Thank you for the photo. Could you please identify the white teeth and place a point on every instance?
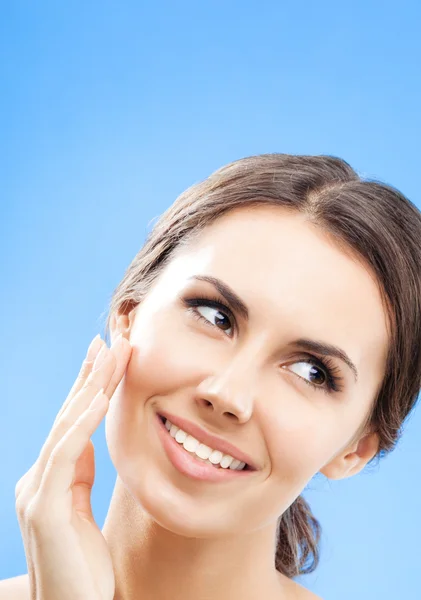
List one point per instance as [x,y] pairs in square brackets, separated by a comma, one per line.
[203,451]
[214,457]
[191,444]
[180,436]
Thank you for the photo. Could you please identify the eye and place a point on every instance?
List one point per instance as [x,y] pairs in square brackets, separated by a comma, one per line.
[210,312]
[222,319]
[310,370]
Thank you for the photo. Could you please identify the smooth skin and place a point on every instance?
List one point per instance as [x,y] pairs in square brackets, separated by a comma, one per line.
[67,555]
[245,381]
[242,380]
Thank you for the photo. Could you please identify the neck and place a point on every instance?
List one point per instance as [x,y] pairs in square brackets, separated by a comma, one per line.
[152,562]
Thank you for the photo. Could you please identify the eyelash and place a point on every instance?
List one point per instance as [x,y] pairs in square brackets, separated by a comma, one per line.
[333,383]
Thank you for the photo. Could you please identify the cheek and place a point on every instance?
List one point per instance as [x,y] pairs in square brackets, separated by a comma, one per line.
[158,370]
[162,360]
[299,444]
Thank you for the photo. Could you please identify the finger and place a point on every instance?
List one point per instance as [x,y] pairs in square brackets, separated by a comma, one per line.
[102,374]
[98,378]
[85,370]
[123,355]
[105,375]
[83,481]
[55,488]
[23,481]
[92,352]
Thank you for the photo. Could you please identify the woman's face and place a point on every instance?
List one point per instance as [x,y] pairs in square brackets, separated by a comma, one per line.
[247,380]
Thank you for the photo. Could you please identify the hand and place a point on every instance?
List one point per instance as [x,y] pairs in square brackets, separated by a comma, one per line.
[66,553]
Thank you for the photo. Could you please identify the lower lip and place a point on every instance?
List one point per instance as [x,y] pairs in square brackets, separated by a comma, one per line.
[186,463]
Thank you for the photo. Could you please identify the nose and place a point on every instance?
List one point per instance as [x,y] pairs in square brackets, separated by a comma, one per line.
[230,394]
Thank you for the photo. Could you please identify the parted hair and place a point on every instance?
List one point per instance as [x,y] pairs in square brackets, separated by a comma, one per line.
[372,220]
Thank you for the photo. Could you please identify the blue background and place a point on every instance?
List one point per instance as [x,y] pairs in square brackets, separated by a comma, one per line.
[108,110]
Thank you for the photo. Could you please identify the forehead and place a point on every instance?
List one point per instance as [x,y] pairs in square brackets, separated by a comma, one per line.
[294,277]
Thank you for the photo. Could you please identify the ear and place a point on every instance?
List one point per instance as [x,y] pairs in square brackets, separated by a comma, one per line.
[353,458]
[121,323]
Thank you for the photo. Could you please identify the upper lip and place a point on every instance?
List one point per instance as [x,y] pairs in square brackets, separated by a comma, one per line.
[208,439]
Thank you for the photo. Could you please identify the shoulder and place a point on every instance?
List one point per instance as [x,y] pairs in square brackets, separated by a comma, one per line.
[310,596]
[296,591]
[305,594]
[15,588]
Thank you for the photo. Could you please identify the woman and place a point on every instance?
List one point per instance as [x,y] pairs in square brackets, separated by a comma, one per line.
[271,323]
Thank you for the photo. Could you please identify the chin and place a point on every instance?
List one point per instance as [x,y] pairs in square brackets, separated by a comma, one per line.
[175,509]
[175,502]
[183,507]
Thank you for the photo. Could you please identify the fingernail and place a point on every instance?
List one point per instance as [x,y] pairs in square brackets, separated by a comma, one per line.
[94,347]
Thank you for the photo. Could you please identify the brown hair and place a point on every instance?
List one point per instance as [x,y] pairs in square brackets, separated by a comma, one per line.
[372,220]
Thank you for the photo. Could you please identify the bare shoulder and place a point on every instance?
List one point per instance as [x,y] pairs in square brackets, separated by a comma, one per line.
[15,588]
[303,593]
[310,596]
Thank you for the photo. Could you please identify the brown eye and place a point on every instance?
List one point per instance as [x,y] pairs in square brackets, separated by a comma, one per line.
[313,372]
[324,375]
[221,321]
[223,318]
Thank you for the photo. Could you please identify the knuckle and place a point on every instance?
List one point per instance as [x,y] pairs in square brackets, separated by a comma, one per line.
[62,452]
[64,423]
[85,369]
[56,458]
[36,516]
[24,481]
[79,425]
[41,515]
[20,506]
[18,487]
[91,384]
[84,373]
[27,510]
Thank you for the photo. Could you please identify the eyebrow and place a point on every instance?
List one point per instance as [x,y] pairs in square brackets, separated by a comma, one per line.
[317,346]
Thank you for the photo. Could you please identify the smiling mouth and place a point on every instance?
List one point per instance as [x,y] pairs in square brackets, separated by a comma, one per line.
[246,467]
